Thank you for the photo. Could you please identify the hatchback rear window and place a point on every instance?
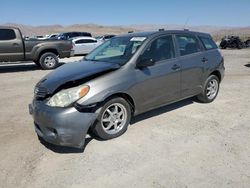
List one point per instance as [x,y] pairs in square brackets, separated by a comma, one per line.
[208,43]
[7,34]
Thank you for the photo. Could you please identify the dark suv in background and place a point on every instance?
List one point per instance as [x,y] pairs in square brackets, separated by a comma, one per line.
[125,76]
[69,35]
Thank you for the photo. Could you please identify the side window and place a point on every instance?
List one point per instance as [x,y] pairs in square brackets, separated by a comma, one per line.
[89,41]
[79,41]
[187,44]
[7,34]
[67,36]
[208,43]
[84,41]
[87,35]
[160,49]
[108,37]
[93,41]
[71,35]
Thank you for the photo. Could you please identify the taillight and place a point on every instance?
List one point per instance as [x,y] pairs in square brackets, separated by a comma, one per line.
[72,45]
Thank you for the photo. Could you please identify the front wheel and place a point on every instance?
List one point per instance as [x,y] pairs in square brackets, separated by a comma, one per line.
[48,61]
[113,119]
[210,90]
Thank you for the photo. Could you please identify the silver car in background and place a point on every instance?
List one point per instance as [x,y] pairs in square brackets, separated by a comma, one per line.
[125,76]
[84,45]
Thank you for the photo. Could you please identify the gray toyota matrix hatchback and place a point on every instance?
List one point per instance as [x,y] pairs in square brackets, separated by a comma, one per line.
[125,76]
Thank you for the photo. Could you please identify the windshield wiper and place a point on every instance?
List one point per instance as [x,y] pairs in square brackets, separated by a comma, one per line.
[88,59]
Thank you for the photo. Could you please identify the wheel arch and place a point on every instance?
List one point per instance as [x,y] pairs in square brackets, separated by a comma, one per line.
[52,50]
[125,96]
[216,73]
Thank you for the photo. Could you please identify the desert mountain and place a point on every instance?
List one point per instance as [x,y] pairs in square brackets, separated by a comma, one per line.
[216,31]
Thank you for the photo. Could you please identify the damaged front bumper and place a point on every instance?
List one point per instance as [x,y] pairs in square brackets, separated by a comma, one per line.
[61,126]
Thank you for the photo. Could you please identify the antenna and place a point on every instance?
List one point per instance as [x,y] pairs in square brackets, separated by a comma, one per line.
[187,20]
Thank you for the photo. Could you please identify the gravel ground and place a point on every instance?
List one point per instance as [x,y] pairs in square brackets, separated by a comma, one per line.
[187,144]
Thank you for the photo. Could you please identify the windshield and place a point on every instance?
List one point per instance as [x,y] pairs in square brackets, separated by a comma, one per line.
[117,50]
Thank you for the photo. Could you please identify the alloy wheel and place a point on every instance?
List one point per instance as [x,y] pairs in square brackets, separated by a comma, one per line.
[114,118]
[50,61]
[212,89]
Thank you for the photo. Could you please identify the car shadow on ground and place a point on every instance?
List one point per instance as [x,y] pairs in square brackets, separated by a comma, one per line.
[64,149]
[146,115]
[162,110]
[247,65]
[9,68]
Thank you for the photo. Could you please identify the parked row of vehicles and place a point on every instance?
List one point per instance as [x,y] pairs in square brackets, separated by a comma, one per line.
[69,35]
[45,51]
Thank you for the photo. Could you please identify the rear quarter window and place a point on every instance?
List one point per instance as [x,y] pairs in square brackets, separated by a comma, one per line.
[7,34]
[208,43]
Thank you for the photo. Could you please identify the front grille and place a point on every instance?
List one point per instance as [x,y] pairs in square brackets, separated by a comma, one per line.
[40,92]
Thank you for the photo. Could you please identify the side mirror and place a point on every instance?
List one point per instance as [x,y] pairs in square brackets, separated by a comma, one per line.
[144,62]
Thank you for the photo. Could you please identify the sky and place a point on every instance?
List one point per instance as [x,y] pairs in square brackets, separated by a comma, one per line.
[126,12]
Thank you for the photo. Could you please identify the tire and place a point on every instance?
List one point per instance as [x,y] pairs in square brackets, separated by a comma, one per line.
[240,46]
[108,119]
[213,83]
[48,61]
[223,46]
[234,46]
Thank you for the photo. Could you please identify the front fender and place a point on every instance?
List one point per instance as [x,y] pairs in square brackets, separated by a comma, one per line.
[101,97]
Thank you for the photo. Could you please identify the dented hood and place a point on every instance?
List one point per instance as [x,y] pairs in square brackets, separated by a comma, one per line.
[73,72]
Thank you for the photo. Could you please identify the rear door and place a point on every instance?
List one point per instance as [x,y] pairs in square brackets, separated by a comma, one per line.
[11,47]
[211,55]
[84,46]
[191,62]
[88,45]
[78,46]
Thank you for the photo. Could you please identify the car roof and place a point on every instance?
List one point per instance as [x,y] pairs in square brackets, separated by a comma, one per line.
[78,38]
[75,32]
[155,33]
[108,35]
[8,27]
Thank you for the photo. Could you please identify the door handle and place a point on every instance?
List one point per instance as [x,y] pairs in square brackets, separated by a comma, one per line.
[15,44]
[176,67]
[204,60]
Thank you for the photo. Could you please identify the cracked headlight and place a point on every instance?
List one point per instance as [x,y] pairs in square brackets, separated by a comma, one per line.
[68,96]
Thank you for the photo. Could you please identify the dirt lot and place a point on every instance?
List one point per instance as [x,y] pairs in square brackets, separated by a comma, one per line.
[187,144]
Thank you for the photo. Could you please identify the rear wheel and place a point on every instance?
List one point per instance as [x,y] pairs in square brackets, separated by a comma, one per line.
[113,119]
[48,61]
[210,90]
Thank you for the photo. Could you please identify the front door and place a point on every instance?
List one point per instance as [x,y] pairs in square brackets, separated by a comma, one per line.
[158,84]
[11,48]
